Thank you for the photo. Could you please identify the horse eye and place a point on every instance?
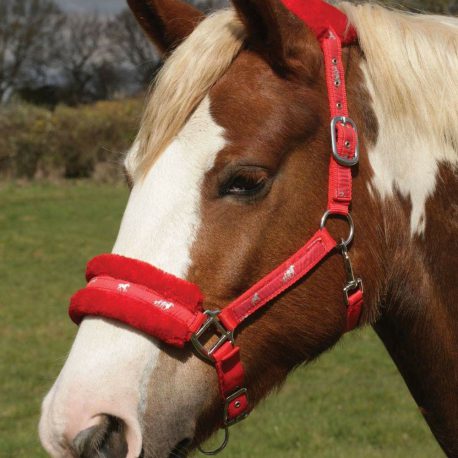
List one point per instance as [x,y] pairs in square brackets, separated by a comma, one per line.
[245,184]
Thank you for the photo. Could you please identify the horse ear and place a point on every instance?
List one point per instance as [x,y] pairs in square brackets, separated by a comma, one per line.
[277,34]
[166,22]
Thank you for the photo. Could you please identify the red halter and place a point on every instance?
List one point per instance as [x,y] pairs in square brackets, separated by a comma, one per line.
[170,309]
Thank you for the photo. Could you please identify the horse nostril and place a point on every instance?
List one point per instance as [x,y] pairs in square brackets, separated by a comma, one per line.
[105,440]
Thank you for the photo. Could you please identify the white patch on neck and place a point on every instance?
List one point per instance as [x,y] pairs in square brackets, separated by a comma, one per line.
[405,159]
[109,366]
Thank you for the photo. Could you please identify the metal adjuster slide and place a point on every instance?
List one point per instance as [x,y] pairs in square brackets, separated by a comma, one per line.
[345,161]
[223,334]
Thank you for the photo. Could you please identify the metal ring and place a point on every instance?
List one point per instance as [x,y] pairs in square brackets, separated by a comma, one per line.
[349,219]
[220,448]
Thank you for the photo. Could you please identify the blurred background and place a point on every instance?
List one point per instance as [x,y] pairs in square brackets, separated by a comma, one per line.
[73,79]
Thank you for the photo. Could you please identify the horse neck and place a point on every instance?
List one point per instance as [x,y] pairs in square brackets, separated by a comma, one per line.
[405,250]
[415,301]
[421,335]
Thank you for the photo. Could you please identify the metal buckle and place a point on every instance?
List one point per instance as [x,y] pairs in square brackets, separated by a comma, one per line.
[345,161]
[352,282]
[221,331]
[229,399]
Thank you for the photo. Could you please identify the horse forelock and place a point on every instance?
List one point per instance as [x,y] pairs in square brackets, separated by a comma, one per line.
[183,82]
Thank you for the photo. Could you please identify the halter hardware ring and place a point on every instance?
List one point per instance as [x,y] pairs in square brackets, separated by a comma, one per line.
[221,331]
[328,214]
[345,161]
[220,448]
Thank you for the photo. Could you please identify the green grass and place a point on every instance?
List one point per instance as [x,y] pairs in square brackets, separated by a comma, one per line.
[350,403]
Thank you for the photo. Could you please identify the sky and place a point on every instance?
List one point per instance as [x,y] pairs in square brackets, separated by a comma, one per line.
[102,6]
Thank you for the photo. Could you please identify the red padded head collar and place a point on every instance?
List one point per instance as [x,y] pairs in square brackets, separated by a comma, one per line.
[169,308]
[132,270]
[320,16]
[141,296]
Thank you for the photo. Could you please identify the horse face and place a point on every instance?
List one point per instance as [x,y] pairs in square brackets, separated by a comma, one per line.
[239,189]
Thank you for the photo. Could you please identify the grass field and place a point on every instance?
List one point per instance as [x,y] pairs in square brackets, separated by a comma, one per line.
[351,403]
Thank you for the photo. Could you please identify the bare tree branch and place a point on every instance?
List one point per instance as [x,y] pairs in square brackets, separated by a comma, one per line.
[82,49]
[25,26]
[129,44]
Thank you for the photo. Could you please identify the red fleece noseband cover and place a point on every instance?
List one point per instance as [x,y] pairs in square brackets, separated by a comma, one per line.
[142,296]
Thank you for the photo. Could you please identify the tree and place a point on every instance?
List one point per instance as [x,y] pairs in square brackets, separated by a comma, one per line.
[130,45]
[81,53]
[26,29]
[210,5]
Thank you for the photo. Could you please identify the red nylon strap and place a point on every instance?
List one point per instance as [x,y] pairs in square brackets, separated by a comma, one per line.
[231,379]
[340,178]
[320,16]
[285,275]
[354,309]
[227,359]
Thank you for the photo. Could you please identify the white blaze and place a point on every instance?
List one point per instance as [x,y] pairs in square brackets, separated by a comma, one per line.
[109,364]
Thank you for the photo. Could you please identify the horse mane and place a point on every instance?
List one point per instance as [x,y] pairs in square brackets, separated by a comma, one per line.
[412,63]
[411,67]
[186,77]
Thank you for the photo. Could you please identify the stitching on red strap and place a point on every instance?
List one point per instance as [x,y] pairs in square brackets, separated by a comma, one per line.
[144,295]
[280,279]
[340,179]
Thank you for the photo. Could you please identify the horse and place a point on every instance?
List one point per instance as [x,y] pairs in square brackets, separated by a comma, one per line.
[228,177]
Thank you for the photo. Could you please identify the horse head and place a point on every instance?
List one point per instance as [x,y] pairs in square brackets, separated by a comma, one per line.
[229,178]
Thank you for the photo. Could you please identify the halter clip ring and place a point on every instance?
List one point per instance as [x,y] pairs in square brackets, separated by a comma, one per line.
[328,214]
[219,448]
